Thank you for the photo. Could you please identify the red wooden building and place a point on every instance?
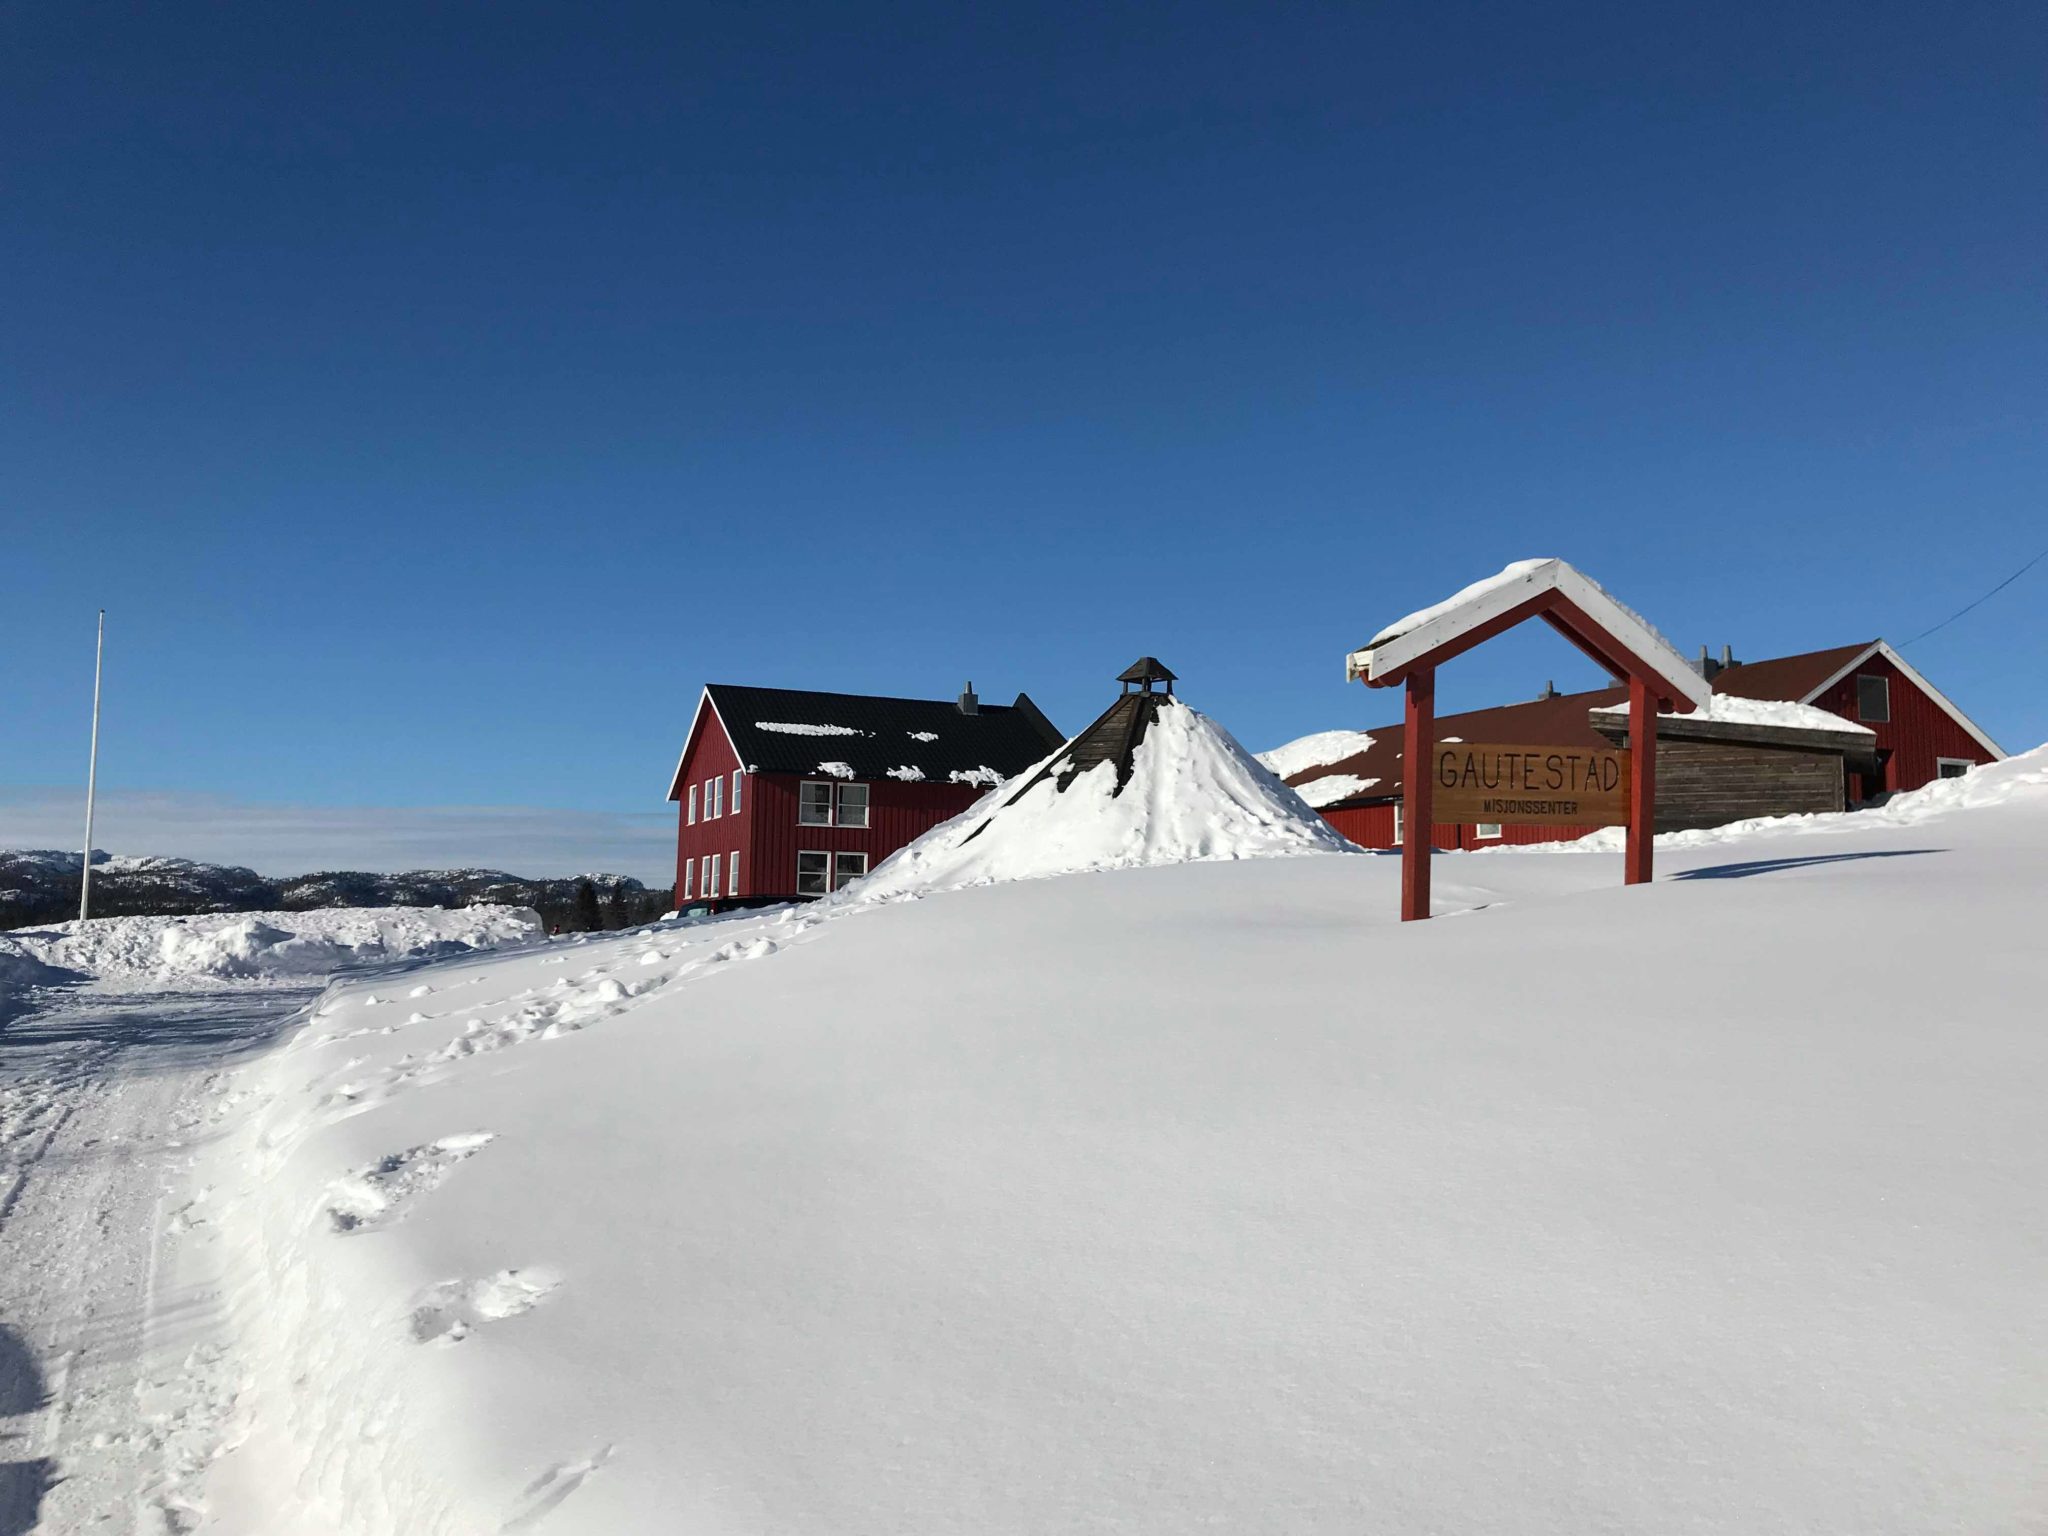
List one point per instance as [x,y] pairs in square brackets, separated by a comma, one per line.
[785,795]
[1917,735]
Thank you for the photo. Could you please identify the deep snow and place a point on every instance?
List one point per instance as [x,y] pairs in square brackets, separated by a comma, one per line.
[1183,1197]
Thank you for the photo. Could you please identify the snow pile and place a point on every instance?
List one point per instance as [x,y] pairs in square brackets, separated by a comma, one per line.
[1316,750]
[837,770]
[1194,795]
[802,728]
[260,946]
[21,968]
[1779,712]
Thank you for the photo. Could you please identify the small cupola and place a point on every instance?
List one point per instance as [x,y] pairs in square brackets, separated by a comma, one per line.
[1143,673]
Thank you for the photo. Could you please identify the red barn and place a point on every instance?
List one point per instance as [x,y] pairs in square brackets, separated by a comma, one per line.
[1708,775]
[784,795]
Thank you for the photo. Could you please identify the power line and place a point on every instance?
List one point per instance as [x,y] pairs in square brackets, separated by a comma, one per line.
[2015,576]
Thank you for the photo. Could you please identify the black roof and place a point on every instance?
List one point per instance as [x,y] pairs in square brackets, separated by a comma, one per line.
[874,735]
[1146,669]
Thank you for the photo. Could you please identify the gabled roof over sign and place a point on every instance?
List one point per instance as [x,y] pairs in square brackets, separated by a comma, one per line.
[789,730]
[1572,603]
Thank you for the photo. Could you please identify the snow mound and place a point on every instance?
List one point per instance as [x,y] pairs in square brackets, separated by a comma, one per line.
[261,946]
[1194,795]
[1317,750]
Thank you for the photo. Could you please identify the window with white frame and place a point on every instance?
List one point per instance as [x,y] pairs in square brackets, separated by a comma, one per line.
[1486,829]
[1952,767]
[689,879]
[736,791]
[1873,698]
[847,868]
[813,873]
[693,805]
[732,875]
[853,805]
[1397,823]
[714,796]
[711,877]
[814,803]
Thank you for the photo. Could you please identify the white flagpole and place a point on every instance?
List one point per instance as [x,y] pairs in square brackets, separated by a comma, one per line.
[92,774]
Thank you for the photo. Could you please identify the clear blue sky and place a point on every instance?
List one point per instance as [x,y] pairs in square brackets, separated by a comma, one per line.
[437,396]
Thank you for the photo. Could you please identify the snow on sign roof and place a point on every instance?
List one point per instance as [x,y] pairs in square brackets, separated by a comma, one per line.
[1460,621]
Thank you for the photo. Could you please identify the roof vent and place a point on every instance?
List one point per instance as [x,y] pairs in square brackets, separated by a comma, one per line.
[969,704]
[1549,689]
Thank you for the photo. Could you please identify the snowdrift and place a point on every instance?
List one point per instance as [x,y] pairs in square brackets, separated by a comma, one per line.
[1194,795]
[1205,1196]
[207,950]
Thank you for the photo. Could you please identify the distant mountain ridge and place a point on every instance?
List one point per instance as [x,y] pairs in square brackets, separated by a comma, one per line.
[41,886]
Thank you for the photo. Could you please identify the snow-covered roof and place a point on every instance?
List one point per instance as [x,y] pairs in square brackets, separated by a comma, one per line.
[1724,709]
[1441,626]
[1315,750]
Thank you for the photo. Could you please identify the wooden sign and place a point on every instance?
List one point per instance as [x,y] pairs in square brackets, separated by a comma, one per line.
[1529,786]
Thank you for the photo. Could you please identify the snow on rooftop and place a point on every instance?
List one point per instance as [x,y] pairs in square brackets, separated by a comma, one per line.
[1314,751]
[1332,787]
[1733,711]
[924,735]
[804,728]
[837,770]
[909,773]
[1506,577]
[1194,794]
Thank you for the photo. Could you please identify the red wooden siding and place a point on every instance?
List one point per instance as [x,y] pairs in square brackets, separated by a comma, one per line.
[1918,732]
[897,814]
[709,754]
[1372,826]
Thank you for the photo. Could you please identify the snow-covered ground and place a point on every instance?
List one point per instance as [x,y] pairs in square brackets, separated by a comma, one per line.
[1202,1195]
[118,1040]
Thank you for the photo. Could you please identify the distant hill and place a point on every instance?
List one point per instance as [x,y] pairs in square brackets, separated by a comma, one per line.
[41,886]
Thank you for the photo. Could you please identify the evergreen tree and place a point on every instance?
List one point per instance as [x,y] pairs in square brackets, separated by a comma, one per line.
[588,918]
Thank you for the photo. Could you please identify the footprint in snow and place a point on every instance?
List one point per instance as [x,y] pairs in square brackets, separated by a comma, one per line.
[551,1487]
[378,1195]
[449,1312]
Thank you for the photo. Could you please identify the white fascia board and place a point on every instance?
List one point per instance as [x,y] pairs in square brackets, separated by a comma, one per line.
[1912,675]
[675,781]
[1497,598]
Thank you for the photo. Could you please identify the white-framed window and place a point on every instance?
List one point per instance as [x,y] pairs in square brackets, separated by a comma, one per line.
[1486,829]
[689,891]
[814,803]
[732,875]
[853,805]
[813,872]
[1952,767]
[818,872]
[736,791]
[711,877]
[693,805]
[1873,698]
[1399,819]
[714,797]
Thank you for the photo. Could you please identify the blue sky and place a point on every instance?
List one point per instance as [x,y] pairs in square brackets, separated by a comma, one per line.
[437,396]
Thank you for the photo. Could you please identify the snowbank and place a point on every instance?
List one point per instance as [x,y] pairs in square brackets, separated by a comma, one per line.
[1316,750]
[171,952]
[1194,795]
[1203,1197]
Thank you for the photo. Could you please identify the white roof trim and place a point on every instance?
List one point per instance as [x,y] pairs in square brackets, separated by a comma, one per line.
[704,700]
[1912,673]
[1489,599]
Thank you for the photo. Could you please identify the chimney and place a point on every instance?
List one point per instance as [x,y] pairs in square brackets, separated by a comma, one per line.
[1727,657]
[1549,689]
[968,703]
[1706,665]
